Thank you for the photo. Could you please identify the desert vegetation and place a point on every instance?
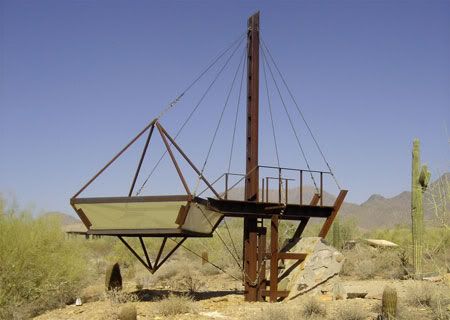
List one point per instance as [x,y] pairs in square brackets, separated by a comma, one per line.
[39,268]
[43,269]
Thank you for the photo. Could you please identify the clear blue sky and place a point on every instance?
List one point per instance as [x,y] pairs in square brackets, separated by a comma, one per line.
[80,78]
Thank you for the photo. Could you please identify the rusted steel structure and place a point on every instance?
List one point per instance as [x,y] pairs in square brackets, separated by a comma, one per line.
[252,234]
[199,217]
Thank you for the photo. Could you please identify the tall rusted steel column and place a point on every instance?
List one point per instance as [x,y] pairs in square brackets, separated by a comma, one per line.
[252,286]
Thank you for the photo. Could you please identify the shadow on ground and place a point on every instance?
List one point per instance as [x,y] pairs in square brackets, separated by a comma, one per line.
[154,295]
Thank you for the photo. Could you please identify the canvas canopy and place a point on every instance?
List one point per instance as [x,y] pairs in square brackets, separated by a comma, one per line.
[162,213]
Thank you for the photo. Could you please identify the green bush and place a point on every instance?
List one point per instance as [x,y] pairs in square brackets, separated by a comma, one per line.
[39,268]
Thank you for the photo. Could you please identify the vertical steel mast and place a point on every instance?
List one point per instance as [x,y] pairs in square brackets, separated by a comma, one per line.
[252,179]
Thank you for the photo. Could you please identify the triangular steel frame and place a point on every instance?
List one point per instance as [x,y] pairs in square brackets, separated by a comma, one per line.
[158,262]
[166,139]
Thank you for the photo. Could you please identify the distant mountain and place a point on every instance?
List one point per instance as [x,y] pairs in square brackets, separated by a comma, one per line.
[377,211]
[63,217]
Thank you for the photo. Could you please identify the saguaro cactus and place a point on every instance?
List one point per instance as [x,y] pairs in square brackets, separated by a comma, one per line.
[420,179]
[337,239]
[389,304]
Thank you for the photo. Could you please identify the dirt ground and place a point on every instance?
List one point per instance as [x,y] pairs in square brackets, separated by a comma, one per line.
[222,300]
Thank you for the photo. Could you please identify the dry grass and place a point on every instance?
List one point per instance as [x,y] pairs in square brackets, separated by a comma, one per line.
[209,270]
[422,295]
[118,296]
[351,312]
[188,280]
[274,311]
[173,305]
[128,312]
[365,262]
[167,271]
[436,245]
[312,307]
[235,272]
[177,275]
[429,295]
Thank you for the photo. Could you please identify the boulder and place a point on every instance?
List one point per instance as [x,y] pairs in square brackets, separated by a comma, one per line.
[322,263]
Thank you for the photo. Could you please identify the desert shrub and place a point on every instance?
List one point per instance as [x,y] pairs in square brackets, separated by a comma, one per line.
[39,268]
[217,253]
[436,244]
[422,295]
[118,296]
[179,275]
[365,269]
[173,305]
[187,280]
[312,307]
[124,257]
[431,296]
[128,312]
[351,312]
[339,291]
[97,252]
[164,276]
[142,281]
[348,228]
[406,312]
[209,270]
[366,262]
[235,272]
[426,294]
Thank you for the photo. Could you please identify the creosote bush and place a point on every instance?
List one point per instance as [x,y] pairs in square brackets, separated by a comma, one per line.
[39,268]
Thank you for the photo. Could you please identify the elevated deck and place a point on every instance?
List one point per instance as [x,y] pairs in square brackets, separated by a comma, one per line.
[237,208]
[165,216]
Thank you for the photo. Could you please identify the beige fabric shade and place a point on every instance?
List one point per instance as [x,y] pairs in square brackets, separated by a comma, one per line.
[146,213]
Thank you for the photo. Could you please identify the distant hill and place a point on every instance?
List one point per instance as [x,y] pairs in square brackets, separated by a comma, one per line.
[63,217]
[377,211]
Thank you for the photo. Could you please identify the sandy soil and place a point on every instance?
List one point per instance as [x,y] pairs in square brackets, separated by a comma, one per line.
[223,301]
